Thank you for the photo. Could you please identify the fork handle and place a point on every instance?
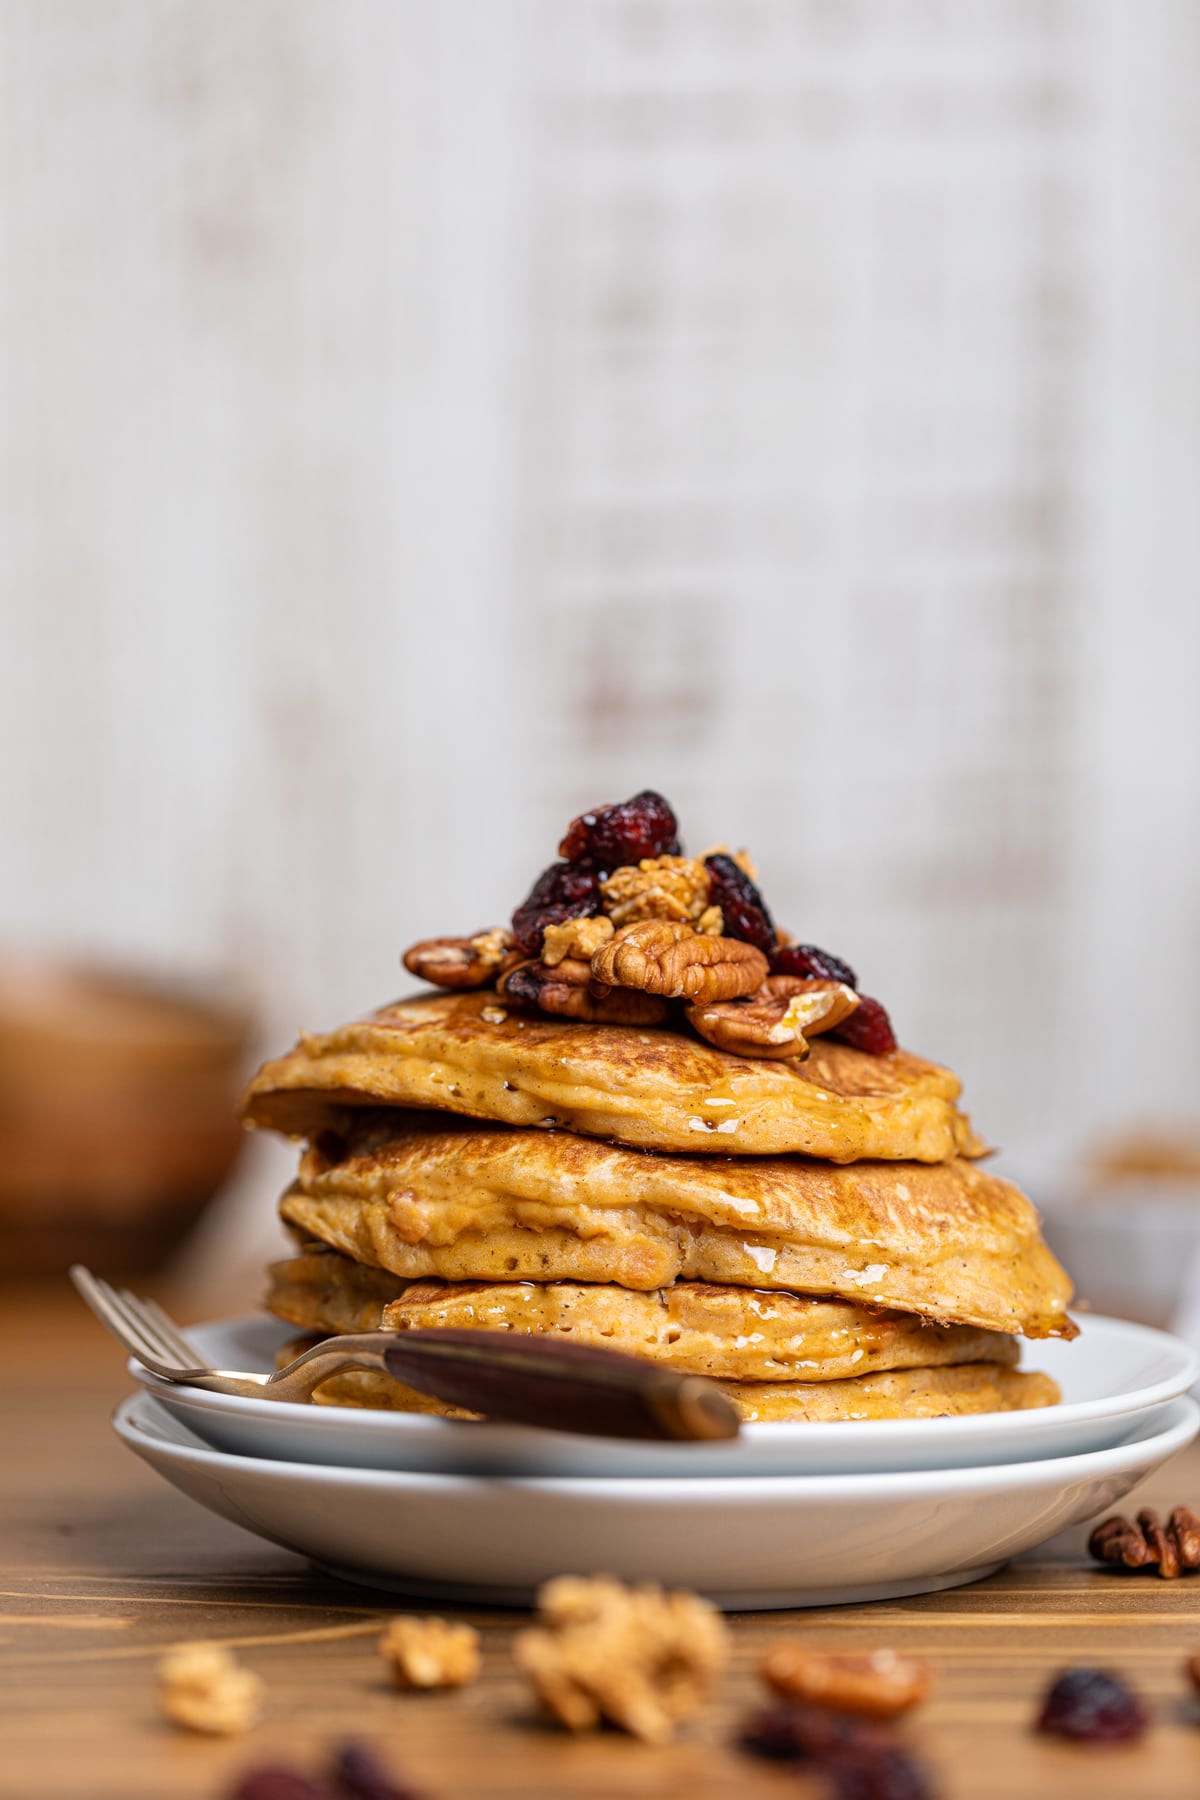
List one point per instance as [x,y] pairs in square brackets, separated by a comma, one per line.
[561,1387]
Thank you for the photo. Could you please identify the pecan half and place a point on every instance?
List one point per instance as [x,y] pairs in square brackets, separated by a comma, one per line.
[877,1683]
[468,962]
[778,1020]
[662,956]
[1173,1549]
[567,991]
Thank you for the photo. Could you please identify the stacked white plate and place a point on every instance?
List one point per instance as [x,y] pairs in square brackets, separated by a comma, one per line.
[785,1515]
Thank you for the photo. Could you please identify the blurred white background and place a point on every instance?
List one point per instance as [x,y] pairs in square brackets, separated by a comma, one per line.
[421,419]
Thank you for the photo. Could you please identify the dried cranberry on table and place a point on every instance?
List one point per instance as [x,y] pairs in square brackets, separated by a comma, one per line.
[867,1028]
[278,1783]
[742,906]
[1093,1707]
[807,961]
[615,836]
[354,1774]
[859,1761]
[566,890]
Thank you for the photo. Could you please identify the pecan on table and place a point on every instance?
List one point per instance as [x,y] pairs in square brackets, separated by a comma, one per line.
[664,956]
[778,1020]
[877,1683]
[568,991]
[1173,1549]
[467,962]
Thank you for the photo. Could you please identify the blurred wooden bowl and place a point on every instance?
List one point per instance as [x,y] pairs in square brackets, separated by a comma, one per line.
[117,1121]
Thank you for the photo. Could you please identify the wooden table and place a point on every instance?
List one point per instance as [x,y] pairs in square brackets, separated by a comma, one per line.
[105,1565]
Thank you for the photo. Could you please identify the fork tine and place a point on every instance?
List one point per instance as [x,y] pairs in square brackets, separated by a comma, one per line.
[138,1311]
[171,1333]
[108,1308]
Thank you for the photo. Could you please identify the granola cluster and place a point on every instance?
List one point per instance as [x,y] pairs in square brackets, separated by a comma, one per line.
[627,930]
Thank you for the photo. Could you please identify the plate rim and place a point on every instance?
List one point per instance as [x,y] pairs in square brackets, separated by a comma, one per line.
[1181,1426]
[896,1432]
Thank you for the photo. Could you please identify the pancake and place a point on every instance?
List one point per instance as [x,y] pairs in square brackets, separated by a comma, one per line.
[738,1334]
[653,1087]
[465,1203]
[902,1394]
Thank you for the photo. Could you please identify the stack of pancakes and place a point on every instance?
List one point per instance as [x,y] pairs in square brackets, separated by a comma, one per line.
[814,1235]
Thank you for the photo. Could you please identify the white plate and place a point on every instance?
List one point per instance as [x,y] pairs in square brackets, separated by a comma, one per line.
[1112,1377]
[777,1540]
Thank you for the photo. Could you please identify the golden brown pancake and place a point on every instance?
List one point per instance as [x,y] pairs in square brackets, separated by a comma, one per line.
[466,1203]
[902,1394]
[468,1053]
[738,1334]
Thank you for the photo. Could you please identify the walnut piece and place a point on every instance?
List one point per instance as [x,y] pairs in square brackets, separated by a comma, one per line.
[576,939]
[468,962]
[430,1653]
[778,1020]
[569,992]
[639,1657]
[877,1682]
[1173,1549]
[659,887]
[663,956]
[204,1688]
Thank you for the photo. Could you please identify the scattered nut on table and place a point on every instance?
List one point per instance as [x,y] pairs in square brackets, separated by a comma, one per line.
[878,1683]
[204,1688]
[639,1657]
[1172,1549]
[430,1653]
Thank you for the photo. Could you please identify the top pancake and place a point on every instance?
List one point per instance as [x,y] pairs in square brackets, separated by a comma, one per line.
[651,1088]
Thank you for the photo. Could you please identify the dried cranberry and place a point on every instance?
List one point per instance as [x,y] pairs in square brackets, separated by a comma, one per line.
[358,1776]
[807,961]
[1094,1707]
[742,906]
[625,833]
[804,1733]
[860,1762]
[867,1028]
[566,890]
[279,1783]
[881,1772]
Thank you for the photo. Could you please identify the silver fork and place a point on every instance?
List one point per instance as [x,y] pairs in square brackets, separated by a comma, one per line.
[528,1380]
[157,1342]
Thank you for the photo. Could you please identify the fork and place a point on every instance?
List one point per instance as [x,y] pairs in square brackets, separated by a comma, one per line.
[525,1380]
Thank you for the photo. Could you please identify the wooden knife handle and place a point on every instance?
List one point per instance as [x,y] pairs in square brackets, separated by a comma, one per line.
[561,1387]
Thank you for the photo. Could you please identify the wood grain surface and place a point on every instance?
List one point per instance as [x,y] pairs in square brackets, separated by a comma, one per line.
[104,1566]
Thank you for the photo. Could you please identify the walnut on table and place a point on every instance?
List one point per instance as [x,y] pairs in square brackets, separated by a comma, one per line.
[204,1688]
[430,1653]
[639,1657]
